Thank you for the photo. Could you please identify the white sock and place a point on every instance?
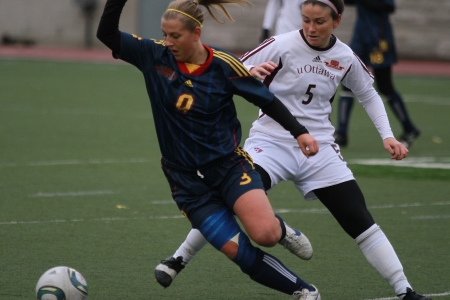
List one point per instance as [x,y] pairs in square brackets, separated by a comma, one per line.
[381,255]
[193,243]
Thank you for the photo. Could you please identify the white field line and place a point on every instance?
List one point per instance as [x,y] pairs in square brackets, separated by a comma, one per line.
[75,162]
[279,211]
[90,220]
[427,100]
[417,162]
[414,162]
[72,194]
[430,217]
[428,295]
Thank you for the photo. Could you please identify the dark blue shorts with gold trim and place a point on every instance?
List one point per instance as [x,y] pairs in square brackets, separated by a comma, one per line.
[200,193]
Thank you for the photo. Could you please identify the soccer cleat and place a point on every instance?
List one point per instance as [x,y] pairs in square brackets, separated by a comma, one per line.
[306,294]
[297,243]
[411,295]
[340,139]
[168,269]
[407,138]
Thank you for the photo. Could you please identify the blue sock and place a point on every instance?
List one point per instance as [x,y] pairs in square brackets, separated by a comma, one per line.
[397,105]
[269,271]
[345,106]
[283,227]
[263,268]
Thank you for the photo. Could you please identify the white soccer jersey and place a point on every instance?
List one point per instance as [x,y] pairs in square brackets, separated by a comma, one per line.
[284,14]
[306,81]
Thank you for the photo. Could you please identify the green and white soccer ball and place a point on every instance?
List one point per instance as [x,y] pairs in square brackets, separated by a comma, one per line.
[61,283]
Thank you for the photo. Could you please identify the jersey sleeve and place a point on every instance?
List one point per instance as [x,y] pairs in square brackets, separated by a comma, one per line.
[265,52]
[360,81]
[138,51]
[242,82]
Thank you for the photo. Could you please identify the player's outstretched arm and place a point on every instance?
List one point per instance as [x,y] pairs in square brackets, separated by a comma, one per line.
[395,148]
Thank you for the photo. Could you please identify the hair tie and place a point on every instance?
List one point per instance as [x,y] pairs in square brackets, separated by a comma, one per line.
[187,15]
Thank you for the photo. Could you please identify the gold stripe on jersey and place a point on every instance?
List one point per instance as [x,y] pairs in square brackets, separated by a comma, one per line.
[234,63]
[136,37]
[245,155]
[159,42]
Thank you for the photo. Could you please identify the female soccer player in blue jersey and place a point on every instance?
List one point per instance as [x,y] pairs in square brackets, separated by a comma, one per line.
[304,68]
[191,88]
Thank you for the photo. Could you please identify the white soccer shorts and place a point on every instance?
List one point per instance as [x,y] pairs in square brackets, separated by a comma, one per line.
[285,162]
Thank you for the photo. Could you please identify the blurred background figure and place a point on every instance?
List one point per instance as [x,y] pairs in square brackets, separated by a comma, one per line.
[373,42]
[281,16]
[88,8]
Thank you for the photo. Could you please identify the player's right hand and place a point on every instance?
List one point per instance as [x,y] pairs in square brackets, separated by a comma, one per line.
[263,69]
[395,148]
[308,144]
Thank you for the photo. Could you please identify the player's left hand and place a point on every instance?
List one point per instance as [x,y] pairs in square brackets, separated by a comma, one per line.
[262,70]
[395,148]
[308,144]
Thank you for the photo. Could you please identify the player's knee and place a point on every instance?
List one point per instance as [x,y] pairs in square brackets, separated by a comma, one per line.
[267,237]
[230,249]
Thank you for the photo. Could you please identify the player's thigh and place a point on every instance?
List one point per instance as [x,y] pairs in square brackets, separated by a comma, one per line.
[256,215]
[326,168]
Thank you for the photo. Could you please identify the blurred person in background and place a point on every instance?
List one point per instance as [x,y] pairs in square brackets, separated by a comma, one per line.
[373,41]
[281,16]
[88,8]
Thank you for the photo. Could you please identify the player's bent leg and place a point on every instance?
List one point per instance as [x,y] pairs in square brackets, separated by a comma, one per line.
[346,203]
[224,234]
[293,240]
[251,208]
[169,268]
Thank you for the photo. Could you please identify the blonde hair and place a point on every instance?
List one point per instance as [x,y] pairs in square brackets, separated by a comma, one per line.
[194,16]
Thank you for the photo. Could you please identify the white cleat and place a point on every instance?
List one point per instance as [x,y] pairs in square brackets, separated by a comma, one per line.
[297,243]
[305,294]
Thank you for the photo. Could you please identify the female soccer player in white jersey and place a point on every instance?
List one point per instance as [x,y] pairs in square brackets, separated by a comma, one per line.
[303,69]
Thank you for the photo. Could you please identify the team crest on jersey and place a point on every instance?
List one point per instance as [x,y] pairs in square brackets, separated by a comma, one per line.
[167,72]
[258,150]
[334,64]
[317,59]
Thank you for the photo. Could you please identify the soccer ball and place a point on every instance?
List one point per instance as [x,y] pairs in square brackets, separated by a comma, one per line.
[61,283]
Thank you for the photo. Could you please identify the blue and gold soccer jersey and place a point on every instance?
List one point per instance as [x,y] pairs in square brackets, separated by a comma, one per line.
[373,38]
[194,113]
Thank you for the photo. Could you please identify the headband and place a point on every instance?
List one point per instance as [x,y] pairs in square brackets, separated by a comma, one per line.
[187,15]
[330,4]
